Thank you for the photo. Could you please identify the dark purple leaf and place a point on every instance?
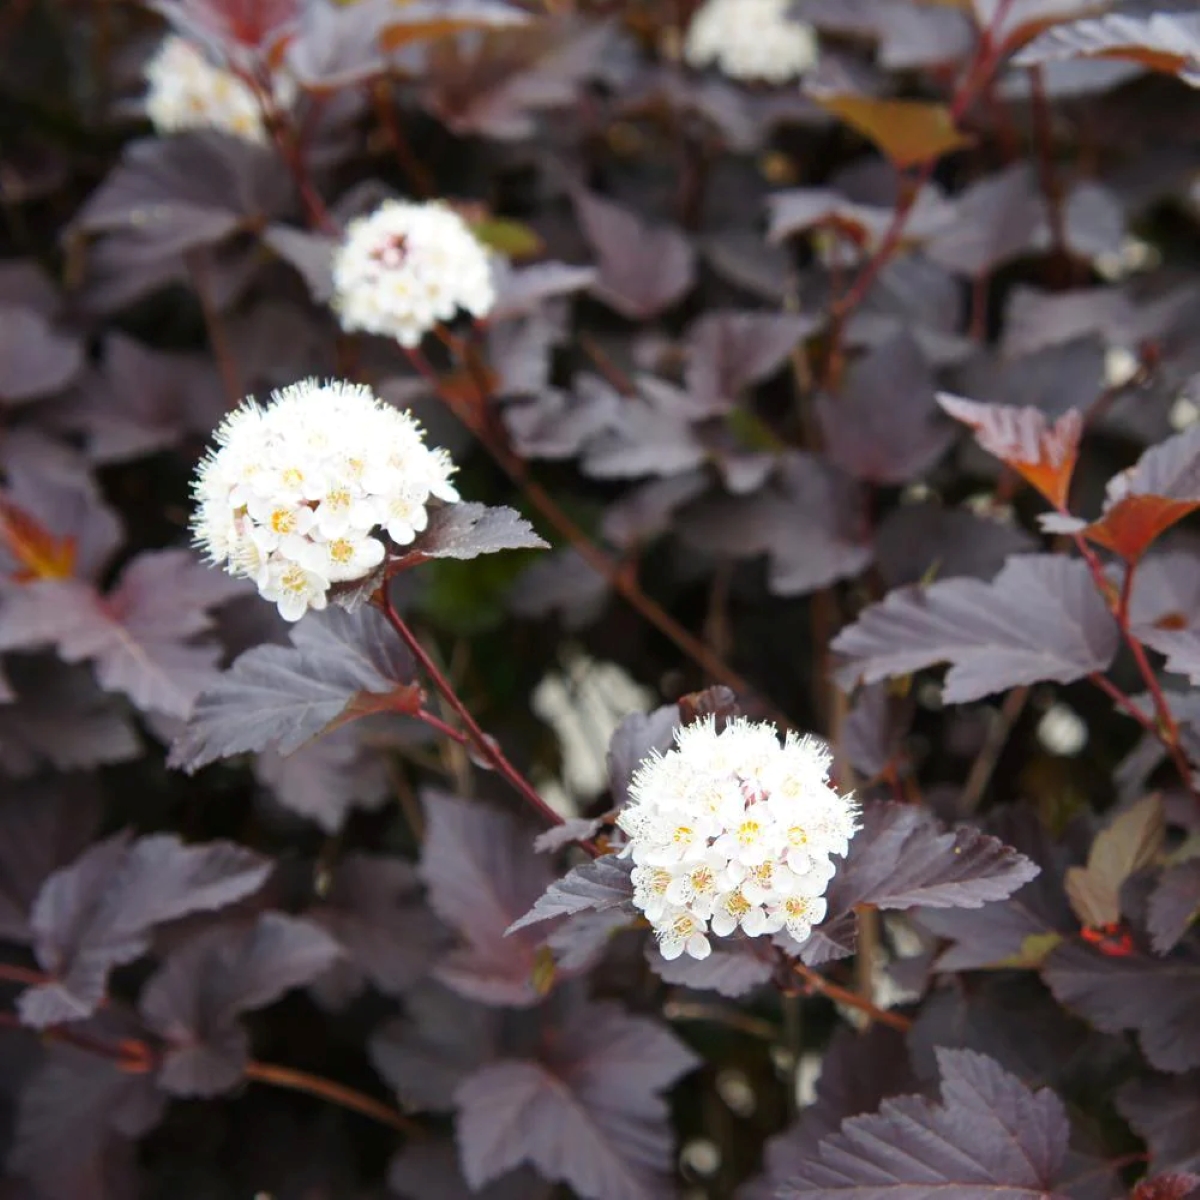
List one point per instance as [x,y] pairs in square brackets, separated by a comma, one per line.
[146,401]
[902,857]
[310,253]
[732,969]
[523,290]
[990,1137]
[562,582]
[1034,320]
[637,737]
[1166,1114]
[467,530]
[35,358]
[590,1113]
[597,886]
[43,826]
[1156,997]
[807,521]
[337,46]
[1162,41]
[858,1072]
[802,209]
[326,778]
[426,1055]
[68,1113]
[482,874]
[239,30]
[1174,905]
[282,696]
[138,636]
[643,269]
[194,999]
[570,831]
[885,425]
[920,542]
[875,729]
[98,912]
[556,424]
[61,718]
[372,906]
[1039,619]
[997,219]
[729,351]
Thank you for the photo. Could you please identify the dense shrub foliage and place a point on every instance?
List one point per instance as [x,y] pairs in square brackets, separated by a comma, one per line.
[737,737]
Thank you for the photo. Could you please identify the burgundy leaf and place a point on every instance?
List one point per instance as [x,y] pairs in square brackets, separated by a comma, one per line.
[35,358]
[562,582]
[194,999]
[482,873]
[1156,997]
[807,521]
[875,730]
[337,46]
[1166,1114]
[282,696]
[523,290]
[902,857]
[570,831]
[428,1170]
[68,1113]
[43,826]
[643,269]
[98,912]
[467,530]
[729,351]
[733,968]
[637,737]
[427,1054]
[1039,619]
[61,718]
[234,27]
[596,886]
[801,209]
[138,637]
[919,542]
[990,1136]
[310,253]
[1174,905]
[858,1072]
[885,426]
[325,779]
[371,905]
[590,1113]
[1167,42]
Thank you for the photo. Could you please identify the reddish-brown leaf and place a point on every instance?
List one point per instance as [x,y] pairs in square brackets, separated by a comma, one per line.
[1043,455]
[1133,524]
[41,555]
[908,132]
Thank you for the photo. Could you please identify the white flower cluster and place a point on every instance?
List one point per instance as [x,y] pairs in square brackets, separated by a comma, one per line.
[734,830]
[186,91]
[297,495]
[751,39]
[407,267]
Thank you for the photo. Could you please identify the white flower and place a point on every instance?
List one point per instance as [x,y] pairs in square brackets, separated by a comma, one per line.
[734,830]
[406,268]
[186,91]
[300,494]
[751,39]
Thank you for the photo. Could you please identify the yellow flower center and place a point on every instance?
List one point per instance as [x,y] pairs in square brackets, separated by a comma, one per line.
[748,832]
[684,833]
[684,925]
[292,477]
[798,908]
[337,498]
[702,879]
[341,551]
[283,520]
[293,580]
[738,905]
[798,837]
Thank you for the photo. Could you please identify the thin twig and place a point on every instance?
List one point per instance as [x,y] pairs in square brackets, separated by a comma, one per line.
[419,178]
[227,366]
[1051,187]
[841,995]
[486,746]
[732,1018]
[335,1093]
[1001,727]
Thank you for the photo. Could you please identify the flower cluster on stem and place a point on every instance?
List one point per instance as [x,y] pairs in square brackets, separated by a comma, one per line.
[186,91]
[733,829]
[303,493]
[751,40]
[406,268]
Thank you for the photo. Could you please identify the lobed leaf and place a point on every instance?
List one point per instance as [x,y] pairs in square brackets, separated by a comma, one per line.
[907,132]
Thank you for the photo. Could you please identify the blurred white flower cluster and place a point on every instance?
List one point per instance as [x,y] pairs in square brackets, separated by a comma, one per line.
[297,495]
[751,39]
[407,267]
[186,91]
[734,830]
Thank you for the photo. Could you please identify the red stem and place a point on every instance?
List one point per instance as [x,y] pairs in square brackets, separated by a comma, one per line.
[335,1093]
[485,745]
[818,983]
[1165,727]
[978,74]
[1044,141]
[445,730]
